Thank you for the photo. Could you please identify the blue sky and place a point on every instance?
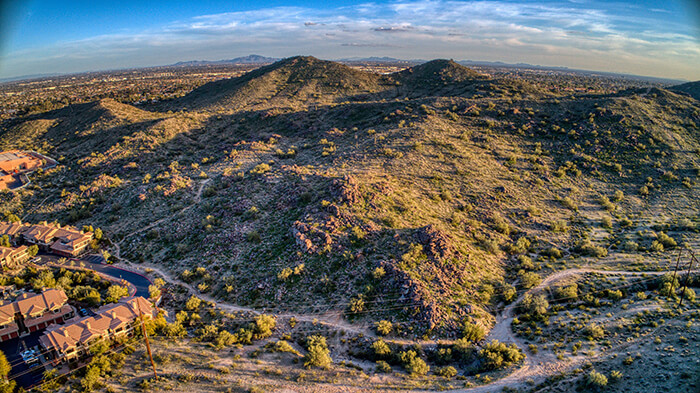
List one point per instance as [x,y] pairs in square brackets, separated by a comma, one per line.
[645,37]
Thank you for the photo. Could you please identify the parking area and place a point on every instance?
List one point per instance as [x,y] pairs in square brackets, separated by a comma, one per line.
[25,374]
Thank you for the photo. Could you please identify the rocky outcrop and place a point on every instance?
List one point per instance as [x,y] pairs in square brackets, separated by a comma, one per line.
[346,190]
[310,239]
[436,243]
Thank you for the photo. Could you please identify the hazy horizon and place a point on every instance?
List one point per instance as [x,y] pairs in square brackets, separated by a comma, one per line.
[648,38]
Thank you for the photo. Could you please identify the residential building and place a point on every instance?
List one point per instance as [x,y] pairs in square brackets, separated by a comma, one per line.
[66,241]
[32,312]
[12,257]
[12,230]
[112,321]
[13,163]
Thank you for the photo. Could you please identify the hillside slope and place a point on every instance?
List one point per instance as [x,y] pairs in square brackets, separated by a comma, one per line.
[426,204]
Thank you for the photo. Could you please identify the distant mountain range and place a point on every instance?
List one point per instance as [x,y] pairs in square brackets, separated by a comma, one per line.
[250,59]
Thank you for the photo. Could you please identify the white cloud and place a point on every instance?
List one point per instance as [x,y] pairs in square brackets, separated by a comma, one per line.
[559,33]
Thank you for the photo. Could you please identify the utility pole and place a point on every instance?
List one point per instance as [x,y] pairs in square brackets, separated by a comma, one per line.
[145,335]
[687,276]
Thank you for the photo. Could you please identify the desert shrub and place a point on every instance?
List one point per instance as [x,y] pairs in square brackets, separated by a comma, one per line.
[496,355]
[619,196]
[615,375]
[605,202]
[594,331]
[596,379]
[569,203]
[553,252]
[614,294]
[263,325]
[383,367]
[525,262]
[606,222]
[253,237]
[666,240]
[463,349]
[586,247]
[260,169]
[630,246]
[520,246]
[357,304]
[224,339]
[447,372]
[569,292]
[318,353]
[193,303]
[383,327]
[381,349]
[559,226]
[282,346]
[529,279]
[413,364]
[689,293]
[508,293]
[473,332]
[535,305]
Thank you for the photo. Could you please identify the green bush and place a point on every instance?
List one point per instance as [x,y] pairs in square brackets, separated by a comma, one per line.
[383,327]
[569,292]
[263,325]
[383,367]
[381,349]
[413,364]
[536,305]
[529,279]
[496,355]
[596,379]
[447,372]
[473,332]
[318,353]
[595,331]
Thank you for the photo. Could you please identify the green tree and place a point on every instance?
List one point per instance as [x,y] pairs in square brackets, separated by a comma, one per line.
[32,250]
[318,353]
[116,292]
[91,378]
[98,234]
[495,355]
[5,241]
[154,292]
[5,366]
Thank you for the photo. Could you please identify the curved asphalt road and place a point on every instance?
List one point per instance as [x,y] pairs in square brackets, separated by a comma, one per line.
[141,283]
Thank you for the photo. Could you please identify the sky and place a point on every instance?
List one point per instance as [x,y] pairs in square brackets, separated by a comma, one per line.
[644,37]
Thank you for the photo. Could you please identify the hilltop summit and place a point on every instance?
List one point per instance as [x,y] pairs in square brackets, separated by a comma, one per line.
[300,78]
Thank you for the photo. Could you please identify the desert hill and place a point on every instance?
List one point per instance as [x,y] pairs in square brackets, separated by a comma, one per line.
[690,88]
[291,81]
[308,184]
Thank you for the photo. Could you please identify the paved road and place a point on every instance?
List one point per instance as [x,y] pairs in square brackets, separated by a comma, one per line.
[95,262]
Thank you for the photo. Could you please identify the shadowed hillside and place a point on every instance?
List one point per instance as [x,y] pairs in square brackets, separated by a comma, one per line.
[288,82]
